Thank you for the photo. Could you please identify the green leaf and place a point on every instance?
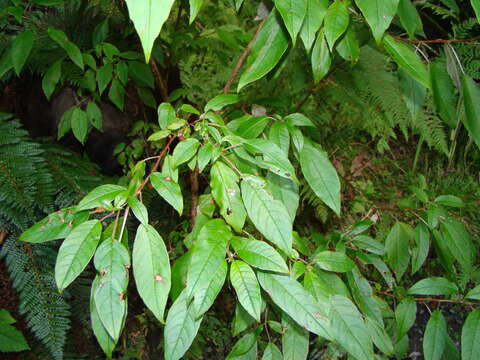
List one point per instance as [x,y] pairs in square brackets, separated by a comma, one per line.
[396,245]
[51,78]
[21,48]
[151,269]
[272,352]
[321,57]
[316,11]
[241,321]
[321,176]
[367,243]
[80,124]
[408,60]
[379,14]
[450,200]
[106,342]
[476,8]
[11,339]
[474,293]
[380,337]
[117,94]
[6,317]
[159,135]
[298,119]
[422,246]
[470,336]
[295,340]
[205,296]
[220,101]
[227,195]
[349,329]
[268,49]
[70,48]
[94,115]
[268,215]
[166,115]
[459,242]
[348,46]
[148,17]
[101,196]
[122,72]
[112,262]
[180,329]
[293,13]
[246,286]
[204,156]
[405,315]
[259,254]
[274,159]
[435,337]
[141,73]
[433,286]
[242,346]
[409,18]
[104,76]
[443,91]
[333,261]
[285,191]
[294,300]
[169,190]
[250,127]
[76,252]
[280,136]
[195,6]
[208,254]
[55,226]
[336,21]
[184,151]
[413,93]
[471,96]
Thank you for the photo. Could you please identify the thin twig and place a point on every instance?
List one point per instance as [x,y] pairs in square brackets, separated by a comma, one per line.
[125,216]
[242,59]
[434,41]
[159,79]
[194,185]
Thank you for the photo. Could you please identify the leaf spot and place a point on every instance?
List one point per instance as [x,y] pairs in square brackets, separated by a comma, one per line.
[159,278]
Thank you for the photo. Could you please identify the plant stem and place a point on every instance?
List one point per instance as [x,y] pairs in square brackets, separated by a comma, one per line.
[417,153]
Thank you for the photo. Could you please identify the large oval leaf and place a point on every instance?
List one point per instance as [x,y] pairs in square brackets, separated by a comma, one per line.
[293,12]
[321,57]
[205,296]
[336,21]
[112,262]
[184,151]
[151,269]
[293,299]
[227,195]
[316,10]
[268,215]
[180,329]
[433,286]
[334,261]
[396,245]
[435,337]
[379,14]
[471,96]
[321,176]
[169,190]
[148,17]
[269,47]
[470,336]
[76,252]
[246,286]
[100,196]
[349,329]
[259,254]
[21,47]
[405,315]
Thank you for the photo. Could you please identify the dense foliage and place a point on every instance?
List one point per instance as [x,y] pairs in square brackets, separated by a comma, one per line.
[269,178]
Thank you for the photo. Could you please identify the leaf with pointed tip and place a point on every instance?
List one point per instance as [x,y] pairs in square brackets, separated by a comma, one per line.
[349,328]
[268,49]
[444,94]
[435,337]
[205,296]
[151,269]
[76,252]
[433,286]
[70,48]
[181,328]
[333,261]
[220,101]
[102,195]
[474,293]
[104,339]
[293,299]
[246,286]
[336,21]
[422,242]
[316,10]
[184,151]
[471,96]
[293,13]
[227,195]
[476,8]
[380,337]
[168,189]
[280,136]
[112,261]
[241,321]
[321,57]
[268,215]
[408,60]
[379,14]
[396,245]
[363,295]
[409,18]
[259,254]
[470,336]
[321,176]
[148,17]
[272,352]
[348,46]
[139,210]
[243,346]
[195,6]
[21,48]
[51,78]
[285,191]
